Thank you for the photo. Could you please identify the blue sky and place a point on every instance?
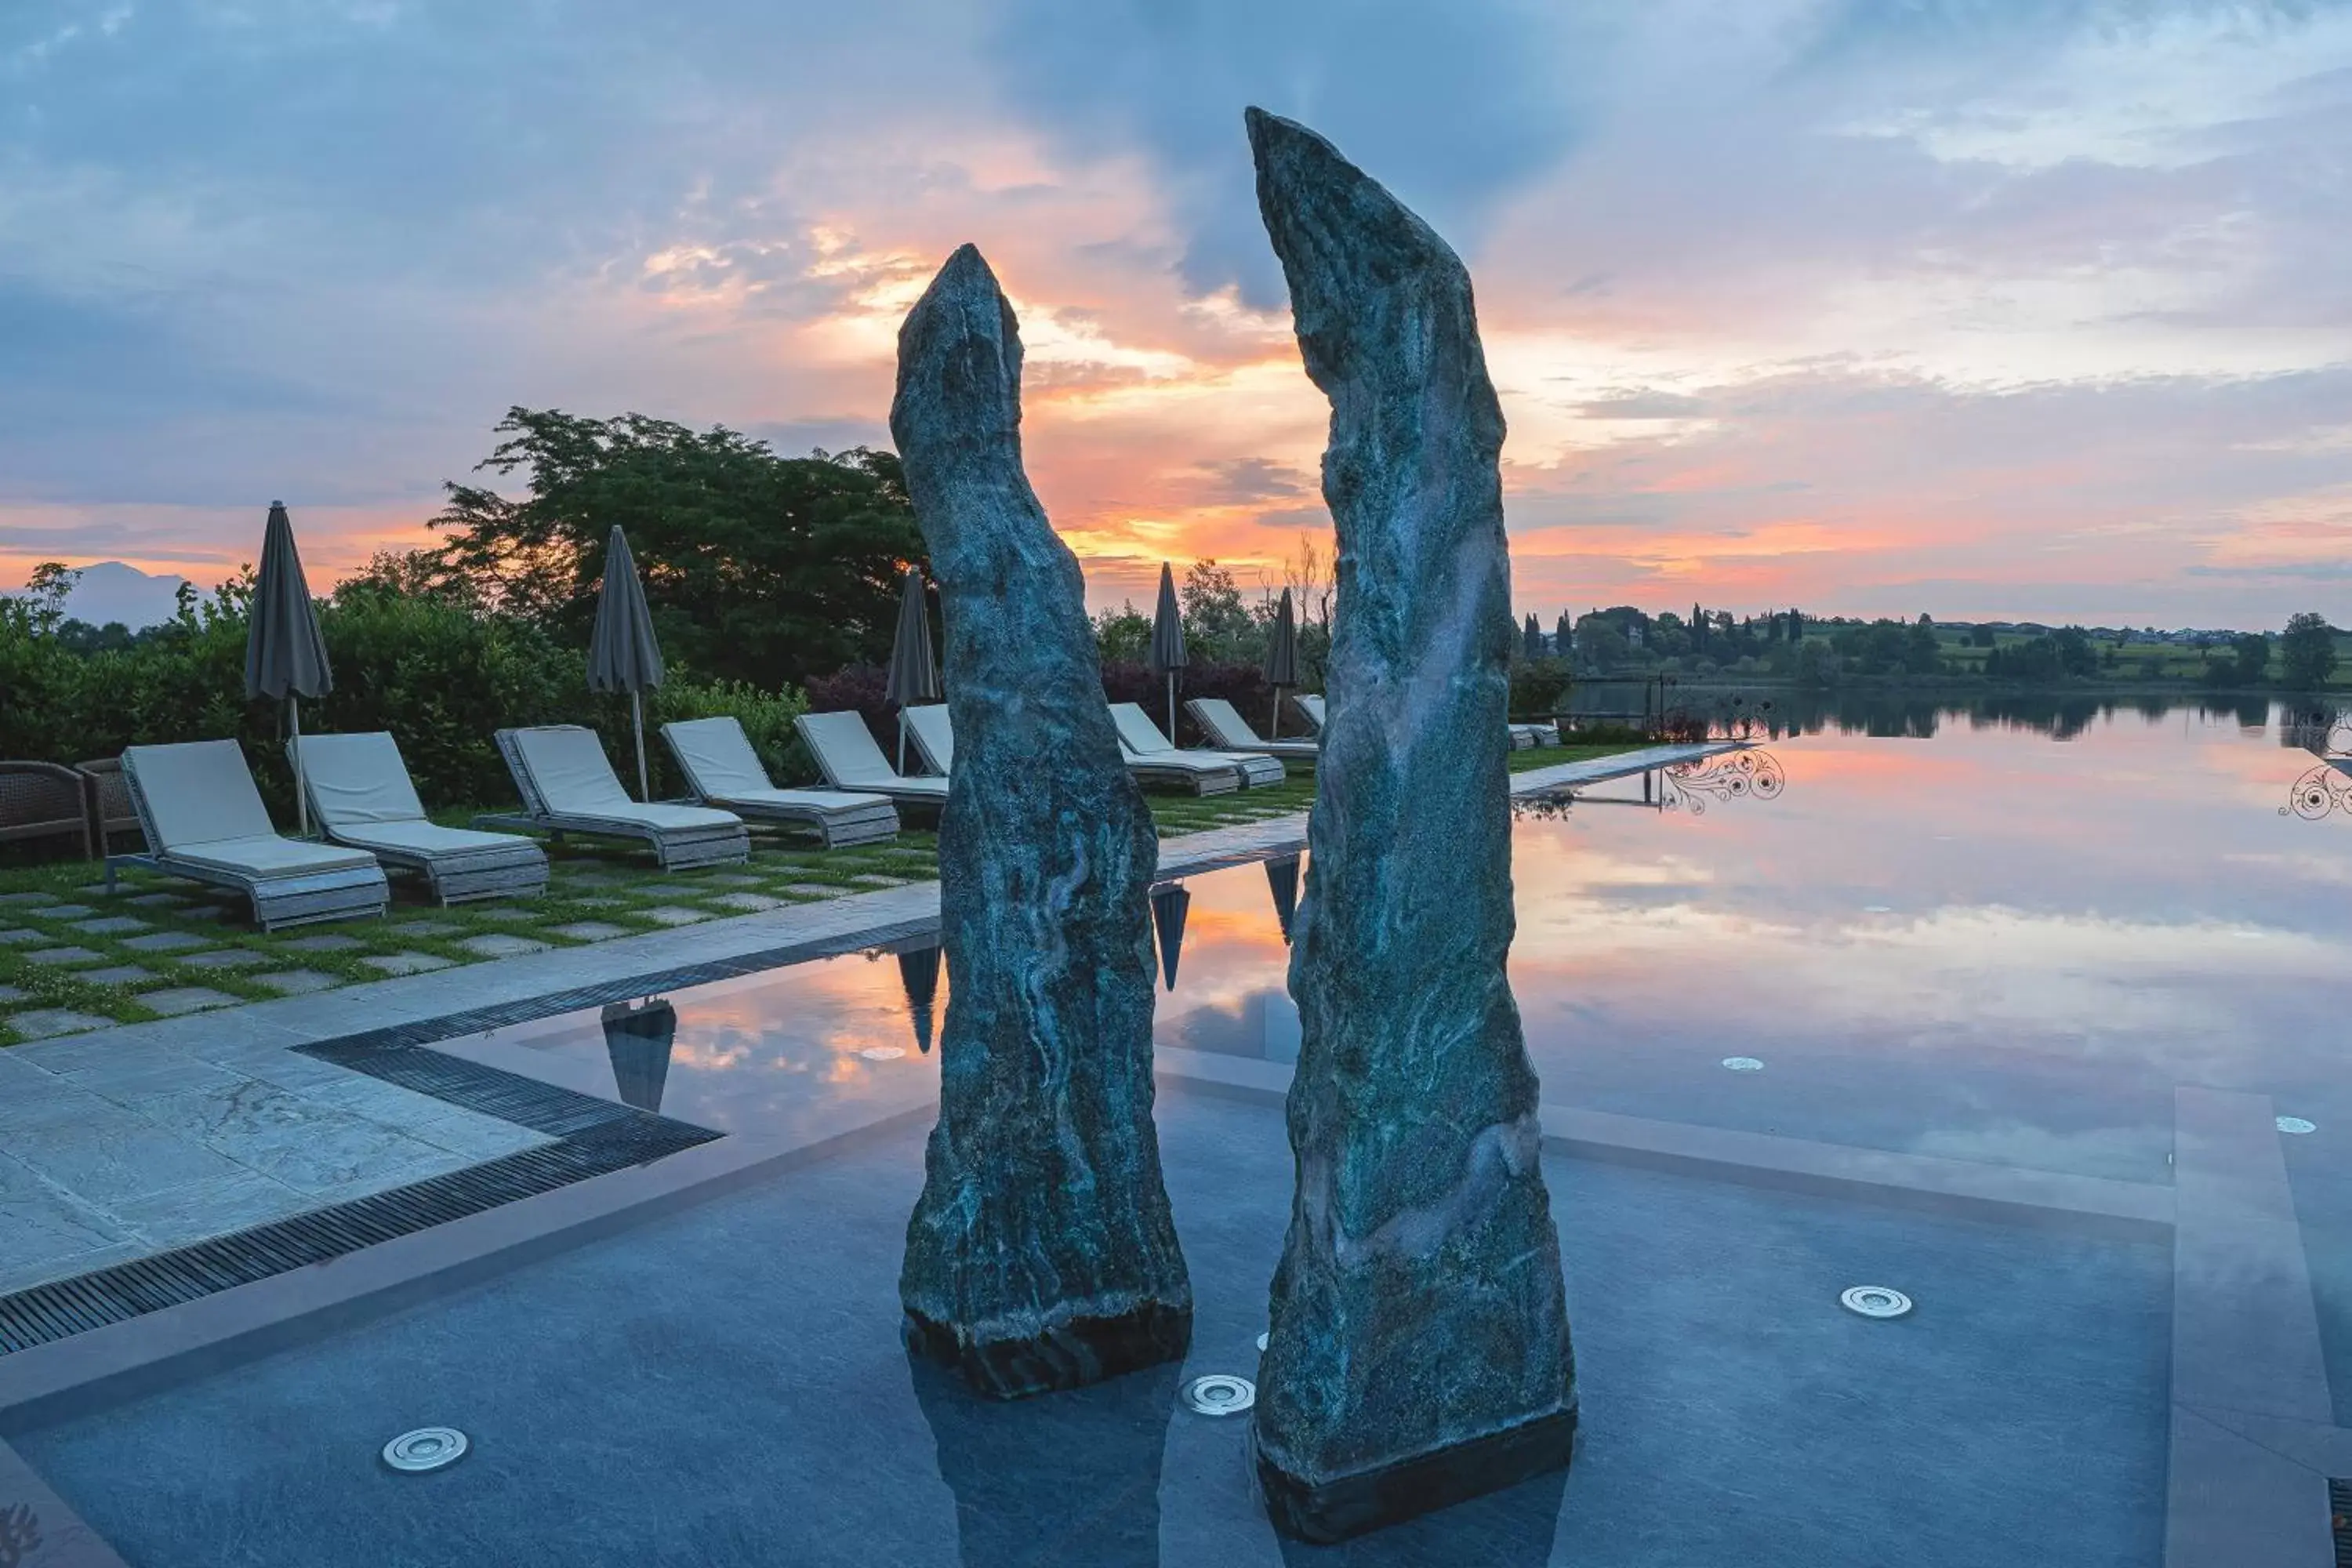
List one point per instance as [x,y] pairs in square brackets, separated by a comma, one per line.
[1981,307]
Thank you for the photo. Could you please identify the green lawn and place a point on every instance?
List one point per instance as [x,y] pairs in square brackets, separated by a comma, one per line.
[163,945]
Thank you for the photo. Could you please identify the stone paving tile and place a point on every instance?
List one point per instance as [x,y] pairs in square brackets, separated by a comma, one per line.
[589,930]
[27,897]
[223,958]
[735,879]
[877,879]
[671,915]
[17,936]
[665,891]
[413,931]
[116,974]
[298,982]
[41,1228]
[750,902]
[178,999]
[310,1146]
[210,912]
[326,942]
[601,903]
[477,1137]
[63,911]
[63,955]
[110,925]
[16,993]
[157,901]
[497,944]
[103,1153]
[166,942]
[40,1023]
[405,962]
[179,1216]
[128,1078]
[815,890]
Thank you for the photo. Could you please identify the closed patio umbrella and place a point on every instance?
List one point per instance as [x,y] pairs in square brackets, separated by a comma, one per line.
[638,1040]
[285,657]
[1169,904]
[623,653]
[1281,660]
[914,674]
[1167,655]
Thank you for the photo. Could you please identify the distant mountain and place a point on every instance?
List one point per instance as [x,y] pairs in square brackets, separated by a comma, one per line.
[113,591]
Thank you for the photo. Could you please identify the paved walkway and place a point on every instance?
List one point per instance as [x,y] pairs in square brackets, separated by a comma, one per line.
[134,1140]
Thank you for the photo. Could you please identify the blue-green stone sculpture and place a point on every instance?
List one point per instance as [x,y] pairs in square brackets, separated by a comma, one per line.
[1042,1253]
[1419,1344]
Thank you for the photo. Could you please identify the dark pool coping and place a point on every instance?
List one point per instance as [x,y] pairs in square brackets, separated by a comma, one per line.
[2252,1438]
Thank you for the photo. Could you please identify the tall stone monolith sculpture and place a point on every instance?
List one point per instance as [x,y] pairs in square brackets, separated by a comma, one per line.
[1042,1253]
[1419,1350]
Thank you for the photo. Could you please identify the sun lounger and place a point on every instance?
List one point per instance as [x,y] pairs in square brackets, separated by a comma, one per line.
[204,821]
[1152,758]
[568,785]
[722,769]
[933,736]
[361,796]
[848,758]
[1224,724]
[1522,735]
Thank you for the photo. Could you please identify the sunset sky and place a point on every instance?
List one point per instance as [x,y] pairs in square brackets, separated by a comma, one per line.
[1987,308]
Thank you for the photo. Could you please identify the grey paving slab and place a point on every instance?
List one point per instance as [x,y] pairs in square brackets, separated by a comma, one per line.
[27,897]
[476,1137]
[673,915]
[877,879]
[116,975]
[601,903]
[63,955]
[298,982]
[2232,1503]
[40,1023]
[102,1153]
[734,880]
[666,891]
[178,1216]
[112,925]
[278,1066]
[589,930]
[11,993]
[63,911]
[211,912]
[180,999]
[2322,1449]
[66,1266]
[815,890]
[405,962]
[750,903]
[310,1146]
[21,936]
[131,1078]
[221,958]
[158,901]
[499,944]
[418,931]
[39,1223]
[388,1104]
[325,941]
[166,942]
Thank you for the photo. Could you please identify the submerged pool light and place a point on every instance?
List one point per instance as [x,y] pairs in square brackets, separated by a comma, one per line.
[1875,1301]
[426,1449]
[2297,1124]
[1220,1393]
[1743,1064]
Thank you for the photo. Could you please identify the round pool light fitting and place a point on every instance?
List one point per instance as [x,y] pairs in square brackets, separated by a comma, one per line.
[1220,1393]
[1743,1064]
[1875,1301]
[1261,1341]
[426,1449]
[2297,1125]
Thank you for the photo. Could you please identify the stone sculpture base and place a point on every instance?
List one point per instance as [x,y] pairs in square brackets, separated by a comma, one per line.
[1066,1356]
[1323,1514]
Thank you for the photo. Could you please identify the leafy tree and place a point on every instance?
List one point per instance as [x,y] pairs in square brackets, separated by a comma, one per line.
[1218,625]
[2307,652]
[2253,652]
[1124,635]
[1922,654]
[1981,636]
[756,567]
[2075,654]
[1531,638]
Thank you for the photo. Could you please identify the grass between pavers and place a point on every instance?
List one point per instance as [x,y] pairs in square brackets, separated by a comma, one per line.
[609,885]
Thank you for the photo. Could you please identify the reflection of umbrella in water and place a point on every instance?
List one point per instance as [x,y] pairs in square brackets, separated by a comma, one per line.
[1282,877]
[638,1039]
[918,970]
[1168,902]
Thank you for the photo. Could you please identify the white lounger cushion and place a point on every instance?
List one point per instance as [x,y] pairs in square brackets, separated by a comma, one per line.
[358,780]
[1311,704]
[575,778]
[721,764]
[268,857]
[1141,739]
[199,793]
[934,736]
[845,752]
[1227,728]
[431,838]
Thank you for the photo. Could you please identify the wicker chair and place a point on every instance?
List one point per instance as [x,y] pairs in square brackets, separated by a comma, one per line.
[43,800]
[111,810]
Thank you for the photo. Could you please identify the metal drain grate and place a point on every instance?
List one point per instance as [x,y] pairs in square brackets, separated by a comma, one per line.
[542,1107]
[2339,1513]
[63,1307]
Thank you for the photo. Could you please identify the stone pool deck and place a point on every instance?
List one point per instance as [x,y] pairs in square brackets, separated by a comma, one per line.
[125,1142]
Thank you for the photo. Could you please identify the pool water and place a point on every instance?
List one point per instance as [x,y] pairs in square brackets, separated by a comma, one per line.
[1946,933]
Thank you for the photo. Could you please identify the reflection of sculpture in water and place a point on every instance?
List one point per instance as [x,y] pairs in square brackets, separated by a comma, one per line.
[638,1038]
[1073,1478]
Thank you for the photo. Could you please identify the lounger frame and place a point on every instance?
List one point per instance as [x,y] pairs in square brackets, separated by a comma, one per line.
[346,893]
[517,869]
[675,848]
[834,829]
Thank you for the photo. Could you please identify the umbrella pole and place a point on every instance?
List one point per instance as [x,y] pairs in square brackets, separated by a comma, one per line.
[902,738]
[1171,707]
[1274,718]
[638,724]
[301,793]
